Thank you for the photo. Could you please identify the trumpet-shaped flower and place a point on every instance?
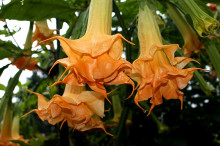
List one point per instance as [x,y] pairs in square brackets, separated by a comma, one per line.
[192,44]
[158,73]
[95,59]
[80,109]
[202,22]
[43,32]
[10,130]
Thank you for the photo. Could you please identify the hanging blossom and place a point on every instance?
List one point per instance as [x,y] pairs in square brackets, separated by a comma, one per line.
[20,63]
[10,130]
[81,109]
[95,59]
[22,60]
[43,32]
[192,44]
[158,73]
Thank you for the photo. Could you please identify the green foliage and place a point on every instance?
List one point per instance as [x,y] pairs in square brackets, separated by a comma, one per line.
[7,49]
[2,87]
[81,25]
[3,68]
[36,10]
[9,93]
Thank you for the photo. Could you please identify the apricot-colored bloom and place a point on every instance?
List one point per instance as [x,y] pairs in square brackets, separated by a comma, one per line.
[192,44]
[202,22]
[157,71]
[10,130]
[43,32]
[20,63]
[95,59]
[80,109]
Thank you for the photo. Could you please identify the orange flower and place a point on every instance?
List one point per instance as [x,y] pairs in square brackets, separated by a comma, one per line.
[157,71]
[80,109]
[95,59]
[20,63]
[43,32]
[191,40]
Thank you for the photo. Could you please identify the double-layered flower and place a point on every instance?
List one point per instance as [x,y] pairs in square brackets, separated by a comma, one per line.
[192,44]
[95,59]
[79,108]
[158,73]
[203,23]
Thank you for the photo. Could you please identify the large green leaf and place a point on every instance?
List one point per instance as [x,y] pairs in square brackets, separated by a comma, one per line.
[35,10]
[2,87]
[7,49]
[80,28]
[9,92]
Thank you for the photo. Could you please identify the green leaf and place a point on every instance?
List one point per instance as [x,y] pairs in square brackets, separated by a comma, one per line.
[2,87]
[7,49]
[213,54]
[6,33]
[35,10]
[3,68]
[81,25]
[9,92]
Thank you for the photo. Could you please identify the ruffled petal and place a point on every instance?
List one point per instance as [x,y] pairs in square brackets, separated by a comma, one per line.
[78,110]
[93,45]
[162,76]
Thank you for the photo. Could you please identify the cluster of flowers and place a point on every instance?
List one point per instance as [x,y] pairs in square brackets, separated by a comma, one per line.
[95,60]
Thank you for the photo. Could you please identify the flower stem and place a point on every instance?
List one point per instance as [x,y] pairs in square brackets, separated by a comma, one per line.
[161,126]
[213,54]
[126,105]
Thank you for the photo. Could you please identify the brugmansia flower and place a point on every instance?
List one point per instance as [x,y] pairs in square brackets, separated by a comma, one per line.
[10,130]
[202,22]
[158,73]
[95,59]
[20,63]
[43,32]
[79,108]
[192,44]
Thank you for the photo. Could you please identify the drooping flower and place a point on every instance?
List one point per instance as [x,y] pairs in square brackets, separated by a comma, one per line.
[22,60]
[158,73]
[202,22]
[20,63]
[10,130]
[95,59]
[42,32]
[79,108]
[192,44]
